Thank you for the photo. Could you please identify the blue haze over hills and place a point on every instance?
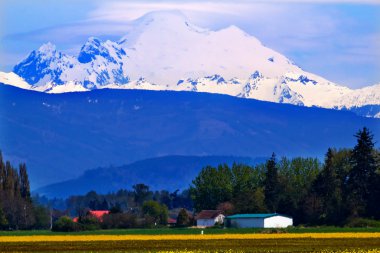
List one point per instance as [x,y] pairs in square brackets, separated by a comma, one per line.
[60,136]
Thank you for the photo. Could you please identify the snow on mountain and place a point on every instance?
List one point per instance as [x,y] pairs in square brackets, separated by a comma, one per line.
[14,80]
[44,65]
[99,63]
[270,89]
[164,51]
[211,84]
[140,84]
[50,87]
[68,87]
[164,47]
[360,97]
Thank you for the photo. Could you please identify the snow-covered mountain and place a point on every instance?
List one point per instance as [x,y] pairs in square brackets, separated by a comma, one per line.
[164,51]
[98,63]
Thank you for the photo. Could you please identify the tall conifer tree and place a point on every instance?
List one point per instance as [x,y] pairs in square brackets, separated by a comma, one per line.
[327,188]
[271,185]
[24,182]
[362,177]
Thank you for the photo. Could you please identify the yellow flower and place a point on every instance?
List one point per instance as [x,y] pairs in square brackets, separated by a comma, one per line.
[73,238]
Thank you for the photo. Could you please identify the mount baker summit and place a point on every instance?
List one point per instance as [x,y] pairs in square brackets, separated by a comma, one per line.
[164,51]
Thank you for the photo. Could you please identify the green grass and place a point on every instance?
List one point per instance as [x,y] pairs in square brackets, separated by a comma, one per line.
[161,231]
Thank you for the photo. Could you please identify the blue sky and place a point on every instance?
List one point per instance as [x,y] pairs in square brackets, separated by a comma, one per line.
[337,39]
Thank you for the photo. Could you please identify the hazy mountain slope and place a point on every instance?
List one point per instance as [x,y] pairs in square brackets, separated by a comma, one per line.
[61,135]
[168,172]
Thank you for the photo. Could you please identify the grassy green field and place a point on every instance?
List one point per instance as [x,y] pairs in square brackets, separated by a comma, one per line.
[174,231]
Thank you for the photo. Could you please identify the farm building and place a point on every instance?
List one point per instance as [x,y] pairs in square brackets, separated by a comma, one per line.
[259,220]
[171,222]
[208,218]
[98,214]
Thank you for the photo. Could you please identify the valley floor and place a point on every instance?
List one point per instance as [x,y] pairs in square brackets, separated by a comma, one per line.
[195,231]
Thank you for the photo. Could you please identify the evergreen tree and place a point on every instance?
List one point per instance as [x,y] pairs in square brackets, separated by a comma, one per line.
[16,207]
[361,179]
[3,220]
[183,218]
[104,205]
[2,175]
[271,185]
[141,193]
[327,187]
[167,198]
[373,207]
[24,182]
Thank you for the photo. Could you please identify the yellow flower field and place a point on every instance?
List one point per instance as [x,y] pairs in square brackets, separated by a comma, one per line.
[361,242]
[231,251]
[74,238]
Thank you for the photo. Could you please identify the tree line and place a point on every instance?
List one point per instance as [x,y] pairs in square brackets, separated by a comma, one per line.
[345,188]
[139,207]
[131,200]
[17,210]
[152,214]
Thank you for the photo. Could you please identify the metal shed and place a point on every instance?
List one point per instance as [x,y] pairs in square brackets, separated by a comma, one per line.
[259,220]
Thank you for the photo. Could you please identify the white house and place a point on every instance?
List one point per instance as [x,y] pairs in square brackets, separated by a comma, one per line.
[208,218]
[259,220]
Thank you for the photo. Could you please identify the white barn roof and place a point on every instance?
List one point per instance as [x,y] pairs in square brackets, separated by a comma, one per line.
[255,216]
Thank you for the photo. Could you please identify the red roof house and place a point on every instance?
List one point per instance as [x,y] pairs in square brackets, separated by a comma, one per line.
[98,214]
[172,221]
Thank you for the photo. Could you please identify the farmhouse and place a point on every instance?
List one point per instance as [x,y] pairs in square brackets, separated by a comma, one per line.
[208,218]
[98,214]
[259,220]
[171,222]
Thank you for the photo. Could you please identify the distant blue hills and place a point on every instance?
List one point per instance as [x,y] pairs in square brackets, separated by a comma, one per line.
[167,172]
[60,136]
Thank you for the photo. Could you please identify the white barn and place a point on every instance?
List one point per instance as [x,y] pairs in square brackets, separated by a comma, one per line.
[208,218]
[259,220]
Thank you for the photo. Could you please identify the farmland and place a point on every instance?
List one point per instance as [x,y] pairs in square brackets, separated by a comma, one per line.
[238,242]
